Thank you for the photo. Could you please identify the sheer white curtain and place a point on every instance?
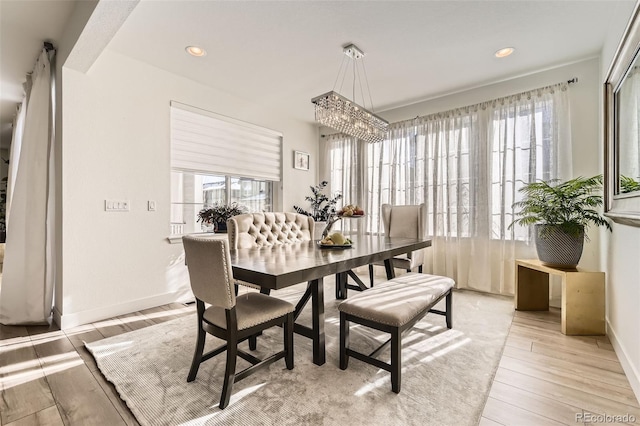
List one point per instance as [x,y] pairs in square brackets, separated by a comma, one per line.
[467,165]
[26,292]
[344,155]
[14,153]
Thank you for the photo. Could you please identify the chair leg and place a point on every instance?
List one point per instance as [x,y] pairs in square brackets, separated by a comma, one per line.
[420,269]
[371,274]
[288,341]
[396,360]
[253,342]
[449,307]
[344,341]
[197,354]
[230,371]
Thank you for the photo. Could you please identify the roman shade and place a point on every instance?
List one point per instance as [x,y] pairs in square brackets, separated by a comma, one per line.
[205,142]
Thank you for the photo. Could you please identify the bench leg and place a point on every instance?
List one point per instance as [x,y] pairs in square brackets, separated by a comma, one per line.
[396,359]
[344,341]
[449,313]
[371,274]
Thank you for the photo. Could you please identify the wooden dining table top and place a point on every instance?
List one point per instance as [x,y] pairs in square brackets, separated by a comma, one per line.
[279,266]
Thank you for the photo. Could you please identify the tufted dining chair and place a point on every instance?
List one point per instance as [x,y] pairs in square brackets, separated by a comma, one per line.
[408,221]
[233,319]
[268,229]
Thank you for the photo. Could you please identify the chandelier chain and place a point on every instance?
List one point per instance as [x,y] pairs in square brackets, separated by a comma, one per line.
[345,115]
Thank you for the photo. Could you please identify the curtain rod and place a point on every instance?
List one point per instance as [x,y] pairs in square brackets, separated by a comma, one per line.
[48,46]
[573,80]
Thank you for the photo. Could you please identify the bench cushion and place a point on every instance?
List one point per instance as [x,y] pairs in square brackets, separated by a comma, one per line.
[399,300]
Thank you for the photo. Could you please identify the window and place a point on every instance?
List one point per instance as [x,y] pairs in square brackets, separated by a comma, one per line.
[217,159]
[466,165]
[190,192]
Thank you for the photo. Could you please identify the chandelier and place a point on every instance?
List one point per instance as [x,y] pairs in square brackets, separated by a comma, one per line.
[346,116]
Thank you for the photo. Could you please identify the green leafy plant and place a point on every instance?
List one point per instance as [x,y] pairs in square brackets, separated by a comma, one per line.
[628,184]
[322,207]
[219,213]
[569,205]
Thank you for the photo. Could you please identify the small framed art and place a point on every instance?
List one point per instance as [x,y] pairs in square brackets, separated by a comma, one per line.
[300,160]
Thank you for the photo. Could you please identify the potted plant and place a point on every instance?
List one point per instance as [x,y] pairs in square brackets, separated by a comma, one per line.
[217,215]
[561,212]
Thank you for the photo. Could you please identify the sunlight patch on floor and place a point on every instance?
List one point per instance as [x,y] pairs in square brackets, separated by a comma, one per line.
[235,399]
[449,340]
[18,344]
[109,349]
[23,372]
[383,381]
[446,350]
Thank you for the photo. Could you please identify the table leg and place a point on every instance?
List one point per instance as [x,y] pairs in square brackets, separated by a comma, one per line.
[341,285]
[388,267]
[317,314]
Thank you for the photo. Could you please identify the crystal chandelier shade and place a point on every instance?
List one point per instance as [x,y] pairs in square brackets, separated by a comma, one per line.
[338,112]
[346,116]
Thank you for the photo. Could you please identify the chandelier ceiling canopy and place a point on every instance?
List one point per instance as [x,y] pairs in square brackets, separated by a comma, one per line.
[345,115]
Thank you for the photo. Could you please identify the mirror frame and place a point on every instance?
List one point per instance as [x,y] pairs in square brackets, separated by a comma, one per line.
[621,208]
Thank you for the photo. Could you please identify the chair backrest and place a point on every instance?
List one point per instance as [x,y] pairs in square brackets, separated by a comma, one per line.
[404,221]
[210,271]
[267,229]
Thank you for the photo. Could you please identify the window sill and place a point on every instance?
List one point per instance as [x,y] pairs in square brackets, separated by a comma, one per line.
[177,239]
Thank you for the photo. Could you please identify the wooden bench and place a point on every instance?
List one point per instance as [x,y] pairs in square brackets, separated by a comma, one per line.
[393,306]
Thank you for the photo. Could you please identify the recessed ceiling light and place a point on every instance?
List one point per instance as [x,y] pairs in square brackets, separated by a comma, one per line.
[195,51]
[502,53]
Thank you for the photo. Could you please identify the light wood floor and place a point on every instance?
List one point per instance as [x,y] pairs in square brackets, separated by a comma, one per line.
[547,378]
[48,378]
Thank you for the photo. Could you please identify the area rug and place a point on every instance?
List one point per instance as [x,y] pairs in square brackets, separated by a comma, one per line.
[446,374]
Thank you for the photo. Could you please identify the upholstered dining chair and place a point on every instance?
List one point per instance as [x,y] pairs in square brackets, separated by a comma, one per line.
[409,221]
[252,230]
[233,319]
[268,229]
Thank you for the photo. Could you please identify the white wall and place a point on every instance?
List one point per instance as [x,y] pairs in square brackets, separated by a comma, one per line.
[116,146]
[620,250]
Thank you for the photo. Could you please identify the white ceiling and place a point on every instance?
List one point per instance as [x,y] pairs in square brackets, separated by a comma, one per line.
[283,53]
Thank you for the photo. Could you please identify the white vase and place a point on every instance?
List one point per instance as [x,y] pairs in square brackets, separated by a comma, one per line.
[319,227]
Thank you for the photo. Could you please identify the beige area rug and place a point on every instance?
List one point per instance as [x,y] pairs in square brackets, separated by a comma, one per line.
[446,374]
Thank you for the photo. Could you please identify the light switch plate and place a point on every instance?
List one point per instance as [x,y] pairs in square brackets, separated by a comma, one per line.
[116,205]
[151,206]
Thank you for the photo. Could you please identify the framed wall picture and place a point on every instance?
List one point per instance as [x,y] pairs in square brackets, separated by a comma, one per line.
[300,160]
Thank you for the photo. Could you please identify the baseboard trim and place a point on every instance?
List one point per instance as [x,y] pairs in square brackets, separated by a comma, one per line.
[66,321]
[633,375]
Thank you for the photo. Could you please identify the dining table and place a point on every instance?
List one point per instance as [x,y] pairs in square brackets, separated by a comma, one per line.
[284,265]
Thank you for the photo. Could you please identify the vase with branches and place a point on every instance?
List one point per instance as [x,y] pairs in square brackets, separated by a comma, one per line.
[322,206]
